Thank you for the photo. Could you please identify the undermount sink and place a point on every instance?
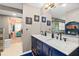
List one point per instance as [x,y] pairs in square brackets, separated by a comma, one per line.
[48,39]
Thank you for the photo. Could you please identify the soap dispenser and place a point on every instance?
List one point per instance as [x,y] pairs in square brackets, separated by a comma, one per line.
[60,36]
[45,33]
[52,35]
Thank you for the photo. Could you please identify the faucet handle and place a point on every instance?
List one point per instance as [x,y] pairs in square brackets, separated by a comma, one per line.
[65,39]
[41,32]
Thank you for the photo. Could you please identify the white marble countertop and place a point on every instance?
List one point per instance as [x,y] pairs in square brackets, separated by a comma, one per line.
[65,47]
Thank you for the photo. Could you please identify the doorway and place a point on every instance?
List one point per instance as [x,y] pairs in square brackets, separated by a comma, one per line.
[15,32]
[15,29]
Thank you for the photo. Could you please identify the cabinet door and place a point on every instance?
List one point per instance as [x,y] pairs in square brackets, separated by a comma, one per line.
[34,42]
[50,51]
[57,53]
[75,52]
[34,46]
[39,48]
[46,49]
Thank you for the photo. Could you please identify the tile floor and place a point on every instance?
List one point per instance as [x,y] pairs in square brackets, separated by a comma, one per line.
[15,49]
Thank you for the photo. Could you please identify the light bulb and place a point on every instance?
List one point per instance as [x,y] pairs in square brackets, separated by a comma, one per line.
[63,5]
[14,14]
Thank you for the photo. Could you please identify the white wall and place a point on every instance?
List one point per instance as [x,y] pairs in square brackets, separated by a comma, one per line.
[4,24]
[71,16]
[36,27]
[44,26]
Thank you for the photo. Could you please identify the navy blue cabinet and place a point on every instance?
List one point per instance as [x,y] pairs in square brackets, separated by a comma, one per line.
[46,49]
[39,48]
[42,49]
[56,52]
[75,52]
[34,46]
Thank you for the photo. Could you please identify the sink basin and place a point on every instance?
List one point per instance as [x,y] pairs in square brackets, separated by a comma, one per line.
[49,39]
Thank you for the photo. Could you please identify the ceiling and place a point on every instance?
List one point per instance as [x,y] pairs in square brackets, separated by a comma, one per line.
[56,12]
[38,5]
[59,10]
[13,5]
[10,13]
[10,9]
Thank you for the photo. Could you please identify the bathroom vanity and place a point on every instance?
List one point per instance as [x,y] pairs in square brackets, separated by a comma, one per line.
[47,46]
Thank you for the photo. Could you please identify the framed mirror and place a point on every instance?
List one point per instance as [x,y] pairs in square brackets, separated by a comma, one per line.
[36,18]
[28,20]
[43,19]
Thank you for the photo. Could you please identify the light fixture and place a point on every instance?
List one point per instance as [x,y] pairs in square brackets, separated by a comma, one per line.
[63,5]
[49,5]
[14,14]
